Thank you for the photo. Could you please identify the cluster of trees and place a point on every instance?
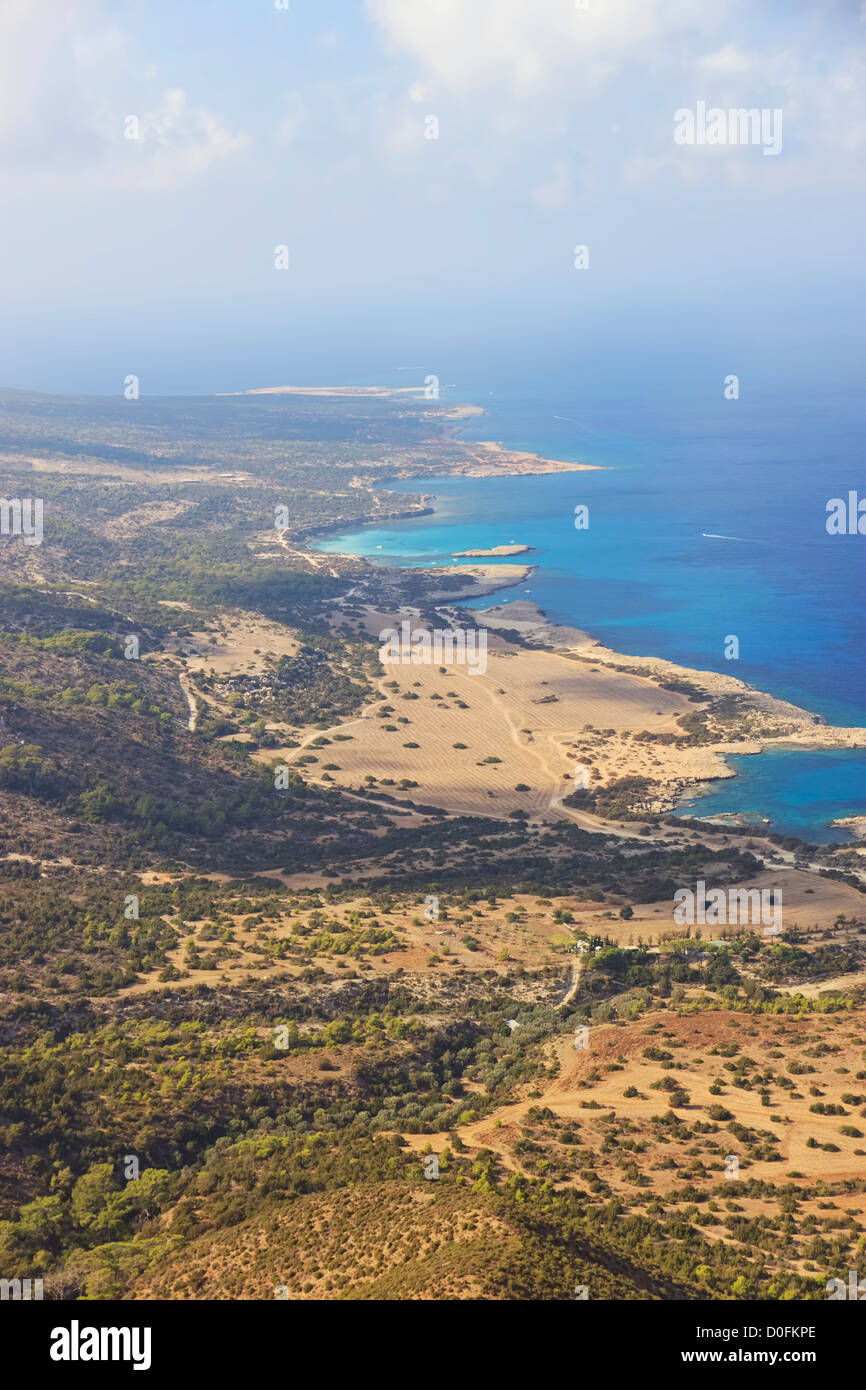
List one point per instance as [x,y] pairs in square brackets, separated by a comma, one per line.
[324,682]
[23,768]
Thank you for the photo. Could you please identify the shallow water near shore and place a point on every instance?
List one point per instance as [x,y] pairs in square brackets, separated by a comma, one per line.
[800,792]
[702,527]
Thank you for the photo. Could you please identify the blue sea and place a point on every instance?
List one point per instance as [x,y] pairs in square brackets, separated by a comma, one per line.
[707,522]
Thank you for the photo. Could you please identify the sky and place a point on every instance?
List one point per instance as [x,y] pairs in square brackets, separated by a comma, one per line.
[308,127]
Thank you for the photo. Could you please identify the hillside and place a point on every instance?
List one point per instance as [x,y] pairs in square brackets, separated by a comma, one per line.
[280,921]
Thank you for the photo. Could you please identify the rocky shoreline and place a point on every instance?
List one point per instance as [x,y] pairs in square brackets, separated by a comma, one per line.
[762,720]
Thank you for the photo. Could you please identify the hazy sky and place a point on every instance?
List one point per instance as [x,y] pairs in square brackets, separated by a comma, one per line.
[306,126]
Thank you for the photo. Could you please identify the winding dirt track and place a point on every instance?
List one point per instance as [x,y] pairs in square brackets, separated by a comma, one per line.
[191,700]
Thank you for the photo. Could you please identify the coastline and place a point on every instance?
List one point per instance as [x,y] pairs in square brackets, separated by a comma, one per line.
[783,725]
[322,530]
[765,722]
[486,458]
[855,825]
[654,748]
[492,460]
[484,579]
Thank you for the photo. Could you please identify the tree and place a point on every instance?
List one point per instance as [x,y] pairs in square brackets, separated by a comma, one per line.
[22,767]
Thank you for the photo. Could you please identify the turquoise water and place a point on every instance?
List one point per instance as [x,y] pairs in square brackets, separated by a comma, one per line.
[645,579]
[800,792]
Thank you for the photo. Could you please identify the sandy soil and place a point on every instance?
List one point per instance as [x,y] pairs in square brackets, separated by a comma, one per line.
[544,719]
[692,1037]
[427,947]
[674,768]
[523,712]
[239,644]
[809,903]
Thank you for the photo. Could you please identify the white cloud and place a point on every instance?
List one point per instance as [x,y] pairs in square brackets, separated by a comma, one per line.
[475,43]
[566,79]
[729,59]
[67,84]
[177,144]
